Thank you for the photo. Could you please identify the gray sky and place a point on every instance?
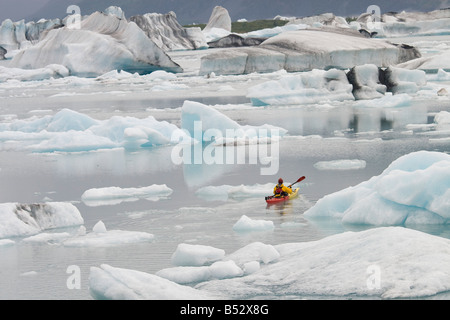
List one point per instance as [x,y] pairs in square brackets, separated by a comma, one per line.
[19,9]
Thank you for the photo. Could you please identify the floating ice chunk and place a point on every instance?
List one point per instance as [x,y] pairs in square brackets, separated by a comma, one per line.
[196,255]
[30,219]
[218,270]
[109,283]
[116,195]
[354,164]
[225,192]
[399,80]
[245,224]
[70,131]
[414,189]
[305,88]
[197,118]
[108,238]
[47,72]
[48,237]
[99,227]
[366,82]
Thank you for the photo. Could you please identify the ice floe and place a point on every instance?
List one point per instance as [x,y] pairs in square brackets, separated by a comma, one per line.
[29,219]
[115,195]
[414,189]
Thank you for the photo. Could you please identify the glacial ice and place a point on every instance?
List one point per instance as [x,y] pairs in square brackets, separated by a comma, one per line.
[168,34]
[101,237]
[225,192]
[412,264]
[186,275]
[304,88]
[115,195]
[351,164]
[414,189]
[70,131]
[303,50]
[220,18]
[54,71]
[29,219]
[246,224]
[364,82]
[103,43]
[195,255]
[195,113]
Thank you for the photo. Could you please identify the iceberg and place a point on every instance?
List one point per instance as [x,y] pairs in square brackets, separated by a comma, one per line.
[429,64]
[115,195]
[414,189]
[225,192]
[196,255]
[104,42]
[305,88]
[303,50]
[29,219]
[385,262]
[54,71]
[168,34]
[70,131]
[194,113]
[101,237]
[220,18]
[246,224]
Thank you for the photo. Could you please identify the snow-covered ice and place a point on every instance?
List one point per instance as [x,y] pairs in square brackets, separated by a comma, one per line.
[412,190]
[390,262]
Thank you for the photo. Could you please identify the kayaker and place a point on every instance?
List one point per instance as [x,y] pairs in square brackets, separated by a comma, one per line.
[281,190]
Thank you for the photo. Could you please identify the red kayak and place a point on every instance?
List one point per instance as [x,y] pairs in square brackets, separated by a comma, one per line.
[274,200]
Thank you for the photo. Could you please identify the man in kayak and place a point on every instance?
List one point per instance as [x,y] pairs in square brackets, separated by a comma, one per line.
[281,190]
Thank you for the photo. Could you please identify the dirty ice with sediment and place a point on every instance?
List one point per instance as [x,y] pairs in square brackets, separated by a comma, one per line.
[110,189]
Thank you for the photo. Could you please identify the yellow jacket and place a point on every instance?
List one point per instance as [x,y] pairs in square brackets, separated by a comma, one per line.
[283,189]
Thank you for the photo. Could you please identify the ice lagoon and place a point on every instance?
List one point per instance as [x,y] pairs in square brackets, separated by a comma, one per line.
[204,231]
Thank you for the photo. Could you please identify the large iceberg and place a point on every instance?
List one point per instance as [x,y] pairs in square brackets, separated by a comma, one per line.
[104,42]
[198,119]
[29,219]
[70,131]
[168,34]
[304,50]
[414,189]
[388,262]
